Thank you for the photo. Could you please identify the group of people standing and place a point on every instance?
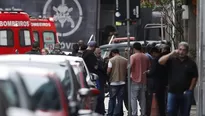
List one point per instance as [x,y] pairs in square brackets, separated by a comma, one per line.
[170,75]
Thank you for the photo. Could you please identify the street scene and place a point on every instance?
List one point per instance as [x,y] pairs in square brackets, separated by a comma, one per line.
[102,58]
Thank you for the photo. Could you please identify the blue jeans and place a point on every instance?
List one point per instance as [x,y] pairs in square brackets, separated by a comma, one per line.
[179,103]
[116,94]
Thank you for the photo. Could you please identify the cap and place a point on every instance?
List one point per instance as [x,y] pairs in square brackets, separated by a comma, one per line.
[92,44]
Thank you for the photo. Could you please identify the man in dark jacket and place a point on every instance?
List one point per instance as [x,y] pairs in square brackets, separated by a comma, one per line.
[35,49]
[101,72]
[90,58]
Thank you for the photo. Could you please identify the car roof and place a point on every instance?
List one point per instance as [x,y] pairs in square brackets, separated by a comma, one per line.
[34,58]
[6,70]
[124,44]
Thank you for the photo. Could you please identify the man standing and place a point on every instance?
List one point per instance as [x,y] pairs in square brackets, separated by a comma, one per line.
[139,64]
[117,69]
[90,58]
[101,72]
[182,79]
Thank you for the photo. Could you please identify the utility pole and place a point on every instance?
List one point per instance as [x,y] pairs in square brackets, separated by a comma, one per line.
[201,58]
[174,22]
[128,75]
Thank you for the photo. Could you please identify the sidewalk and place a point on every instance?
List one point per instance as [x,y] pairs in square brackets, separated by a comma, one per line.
[193,111]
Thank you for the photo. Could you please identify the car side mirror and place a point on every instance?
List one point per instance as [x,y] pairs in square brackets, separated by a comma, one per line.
[93,77]
[94,91]
[84,92]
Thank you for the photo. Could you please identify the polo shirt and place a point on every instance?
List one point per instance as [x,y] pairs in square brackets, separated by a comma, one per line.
[180,74]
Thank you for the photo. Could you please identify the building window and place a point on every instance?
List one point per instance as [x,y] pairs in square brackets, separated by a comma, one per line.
[25,38]
[6,38]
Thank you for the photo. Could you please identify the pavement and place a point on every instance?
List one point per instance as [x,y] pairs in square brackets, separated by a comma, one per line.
[192,113]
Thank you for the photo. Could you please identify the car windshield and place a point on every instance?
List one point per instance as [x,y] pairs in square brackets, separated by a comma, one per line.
[61,71]
[105,52]
[10,91]
[43,92]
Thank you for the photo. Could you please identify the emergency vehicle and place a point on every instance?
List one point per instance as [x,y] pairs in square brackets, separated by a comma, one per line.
[44,31]
[15,32]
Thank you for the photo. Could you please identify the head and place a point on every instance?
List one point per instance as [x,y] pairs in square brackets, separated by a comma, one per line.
[127,51]
[35,46]
[44,51]
[80,43]
[155,52]
[183,49]
[114,52]
[98,52]
[92,45]
[165,49]
[137,47]
[57,46]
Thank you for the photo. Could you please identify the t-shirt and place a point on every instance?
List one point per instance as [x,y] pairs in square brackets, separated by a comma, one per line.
[139,64]
[180,74]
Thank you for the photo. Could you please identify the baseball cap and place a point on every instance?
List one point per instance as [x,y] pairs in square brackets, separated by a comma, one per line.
[92,44]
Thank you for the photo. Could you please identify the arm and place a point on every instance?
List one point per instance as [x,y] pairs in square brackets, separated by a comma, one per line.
[109,69]
[195,77]
[193,84]
[163,60]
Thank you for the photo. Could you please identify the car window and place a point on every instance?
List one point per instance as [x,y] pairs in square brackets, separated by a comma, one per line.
[49,40]
[11,93]
[36,36]
[43,92]
[6,38]
[64,76]
[25,37]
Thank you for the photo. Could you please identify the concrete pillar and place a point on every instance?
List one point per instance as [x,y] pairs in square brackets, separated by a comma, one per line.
[192,31]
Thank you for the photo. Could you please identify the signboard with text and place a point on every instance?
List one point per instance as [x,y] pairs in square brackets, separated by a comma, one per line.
[74,19]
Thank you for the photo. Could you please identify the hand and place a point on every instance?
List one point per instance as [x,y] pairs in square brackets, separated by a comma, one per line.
[146,72]
[174,52]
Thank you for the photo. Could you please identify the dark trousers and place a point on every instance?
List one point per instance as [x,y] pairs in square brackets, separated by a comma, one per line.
[179,103]
[100,108]
[149,94]
[161,100]
[116,94]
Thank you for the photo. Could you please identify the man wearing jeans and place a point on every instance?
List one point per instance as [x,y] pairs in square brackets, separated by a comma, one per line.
[182,78]
[139,64]
[117,69]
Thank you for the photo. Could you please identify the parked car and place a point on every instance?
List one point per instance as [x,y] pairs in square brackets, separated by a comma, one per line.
[57,63]
[43,90]
[105,49]
[79,71]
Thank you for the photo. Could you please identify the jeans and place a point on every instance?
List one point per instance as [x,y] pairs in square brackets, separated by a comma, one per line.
[179,103]
[138,94]
[115,107]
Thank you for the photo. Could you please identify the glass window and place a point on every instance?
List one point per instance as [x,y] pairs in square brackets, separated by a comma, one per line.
[64,75]
[25,38]
[11,93]
[36,36]
[6,38]
[49,40]
[43,92]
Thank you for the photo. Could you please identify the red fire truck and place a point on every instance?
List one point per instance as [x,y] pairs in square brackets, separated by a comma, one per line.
[44,31]
[15,32]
